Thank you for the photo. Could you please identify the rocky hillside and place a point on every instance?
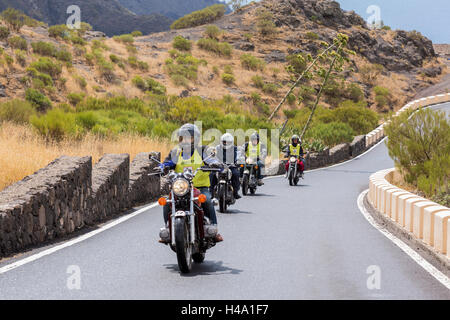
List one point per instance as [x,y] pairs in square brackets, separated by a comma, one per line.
[387,70]
[173,9]
[108,16]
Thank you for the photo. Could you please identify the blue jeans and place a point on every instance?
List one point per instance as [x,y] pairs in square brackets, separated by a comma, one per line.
[207,207]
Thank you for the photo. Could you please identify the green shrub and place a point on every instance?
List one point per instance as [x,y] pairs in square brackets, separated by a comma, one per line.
[38,100]
[361,119]
[370,72]
[228,79]
[77,40]
[219,48]
[64,55]
[139,83]
[312,36]
[4,33]
[354,92]
[114,58]
[81,81]
[131,49]
[155,87]
[270,88]
[21,57]
[200,17]
[75,98]
[18,111]
[137,33]
[9,60]
[124,38]
[59,31]
[137,64]
[250,62]
[297,63]
[258,81]
[182,44]
[291,99]
[265,25]
[382,96]
[99,44]
[44,48]
[56,124]
[332,133]
[423,156]
[183,69]
[15,19]
[18,43]
[48,66]
[212,32]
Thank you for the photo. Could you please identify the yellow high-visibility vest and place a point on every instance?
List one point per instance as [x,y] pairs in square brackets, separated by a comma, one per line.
[201,179]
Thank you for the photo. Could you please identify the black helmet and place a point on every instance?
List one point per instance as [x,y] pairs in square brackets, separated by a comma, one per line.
[189,131]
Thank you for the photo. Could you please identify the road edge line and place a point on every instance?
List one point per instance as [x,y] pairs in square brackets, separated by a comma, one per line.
[428,267]
[72,242]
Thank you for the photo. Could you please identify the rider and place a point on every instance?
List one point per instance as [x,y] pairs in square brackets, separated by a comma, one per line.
[255,149]
[190,154]
[228,153]
[296,149]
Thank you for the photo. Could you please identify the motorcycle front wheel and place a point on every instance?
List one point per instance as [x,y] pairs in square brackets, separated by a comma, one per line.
[183,247]
[222,199]
[245,185]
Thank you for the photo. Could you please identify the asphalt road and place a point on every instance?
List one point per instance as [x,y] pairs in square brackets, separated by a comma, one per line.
[305,242]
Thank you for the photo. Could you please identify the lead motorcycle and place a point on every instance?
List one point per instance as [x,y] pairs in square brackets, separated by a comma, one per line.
[293,174]
[189,233]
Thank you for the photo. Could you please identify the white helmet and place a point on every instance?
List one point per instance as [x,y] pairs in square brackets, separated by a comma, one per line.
[227,141]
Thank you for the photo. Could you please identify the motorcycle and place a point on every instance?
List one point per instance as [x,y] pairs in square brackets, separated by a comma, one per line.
[190,233]
[293,175]
[249,178]
[224,191]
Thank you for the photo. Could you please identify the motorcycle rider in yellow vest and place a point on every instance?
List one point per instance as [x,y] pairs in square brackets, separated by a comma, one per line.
[256,150]
[296,149]
[190,153]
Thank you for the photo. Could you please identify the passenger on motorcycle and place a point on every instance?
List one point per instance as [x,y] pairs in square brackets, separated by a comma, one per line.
[256,150]
[228,153]
[190,154]
[296,149]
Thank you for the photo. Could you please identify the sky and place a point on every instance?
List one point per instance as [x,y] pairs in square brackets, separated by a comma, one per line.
[431,18]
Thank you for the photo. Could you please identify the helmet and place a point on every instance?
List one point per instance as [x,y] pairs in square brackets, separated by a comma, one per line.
[296,137]
[186,133]
[255,136]
[227,141]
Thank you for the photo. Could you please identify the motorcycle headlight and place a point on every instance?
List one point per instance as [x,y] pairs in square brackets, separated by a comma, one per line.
[249,161]
[180,187]
[293,159]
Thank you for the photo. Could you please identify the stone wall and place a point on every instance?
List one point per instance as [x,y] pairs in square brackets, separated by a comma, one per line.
[48,204]
[110,181]
[69,194]
[144,183]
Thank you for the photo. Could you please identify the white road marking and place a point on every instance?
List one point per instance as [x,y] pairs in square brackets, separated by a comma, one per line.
[438,275]
[69,243]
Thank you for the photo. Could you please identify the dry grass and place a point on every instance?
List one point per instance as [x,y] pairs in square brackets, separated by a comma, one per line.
[22,152]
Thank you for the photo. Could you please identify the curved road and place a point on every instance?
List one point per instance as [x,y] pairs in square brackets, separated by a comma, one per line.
[305,242]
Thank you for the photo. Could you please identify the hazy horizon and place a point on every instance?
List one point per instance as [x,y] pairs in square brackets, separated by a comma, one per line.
[431,18]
